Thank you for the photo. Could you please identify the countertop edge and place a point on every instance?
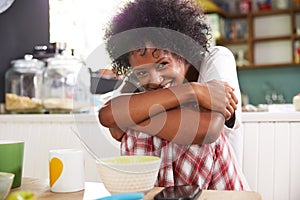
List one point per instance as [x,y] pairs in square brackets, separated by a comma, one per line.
[93,117]
[270,117]
[65,118]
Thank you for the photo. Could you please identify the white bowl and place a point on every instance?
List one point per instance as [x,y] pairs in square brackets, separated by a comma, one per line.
[129,173]
[6,180]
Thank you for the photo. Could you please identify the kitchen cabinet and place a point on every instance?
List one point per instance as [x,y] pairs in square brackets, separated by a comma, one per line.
[271,154]
[271,38]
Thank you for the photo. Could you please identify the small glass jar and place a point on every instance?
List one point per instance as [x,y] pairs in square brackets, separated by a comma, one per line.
[66,84]
[23,86]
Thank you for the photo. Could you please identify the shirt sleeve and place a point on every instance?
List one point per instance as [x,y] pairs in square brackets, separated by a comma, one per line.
[219,64]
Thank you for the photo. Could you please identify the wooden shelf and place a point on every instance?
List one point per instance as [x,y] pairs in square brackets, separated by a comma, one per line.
[275,65]
[237,16]
[220,12]
[296,37]
[251,41]
[296,9]
[258,13]
[229,41]
[264,39]
[271,12]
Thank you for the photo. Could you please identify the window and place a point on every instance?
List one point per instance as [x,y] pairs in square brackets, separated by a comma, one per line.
[80,23]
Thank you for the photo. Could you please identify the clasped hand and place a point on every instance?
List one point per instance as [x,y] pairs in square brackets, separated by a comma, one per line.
[217,96]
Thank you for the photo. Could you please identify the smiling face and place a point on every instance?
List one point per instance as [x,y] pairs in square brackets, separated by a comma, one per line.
[156,68]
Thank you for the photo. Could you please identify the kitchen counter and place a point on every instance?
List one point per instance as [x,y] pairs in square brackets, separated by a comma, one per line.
[42,191]
[48,117]
[271,146]
[270,117]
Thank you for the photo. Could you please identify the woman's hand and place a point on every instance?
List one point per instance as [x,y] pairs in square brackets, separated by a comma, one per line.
[116,133]
[218,96]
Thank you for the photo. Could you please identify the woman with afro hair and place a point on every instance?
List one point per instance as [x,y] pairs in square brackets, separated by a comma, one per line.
[180,97]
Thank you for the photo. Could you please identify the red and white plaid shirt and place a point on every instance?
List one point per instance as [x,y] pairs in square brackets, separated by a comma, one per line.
[211,166]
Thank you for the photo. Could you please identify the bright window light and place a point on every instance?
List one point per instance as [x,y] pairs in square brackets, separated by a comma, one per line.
[80,23]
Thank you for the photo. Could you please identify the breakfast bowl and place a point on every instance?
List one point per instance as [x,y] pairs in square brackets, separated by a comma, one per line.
[6,180]
[128,173]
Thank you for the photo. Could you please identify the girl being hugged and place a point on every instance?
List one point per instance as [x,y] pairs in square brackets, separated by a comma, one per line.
[180,97]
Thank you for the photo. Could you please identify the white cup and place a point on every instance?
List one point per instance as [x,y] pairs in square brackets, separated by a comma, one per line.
[66,170]
[296,102]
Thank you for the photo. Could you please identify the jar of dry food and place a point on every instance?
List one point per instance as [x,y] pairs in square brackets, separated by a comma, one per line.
[23,86]
[66,84]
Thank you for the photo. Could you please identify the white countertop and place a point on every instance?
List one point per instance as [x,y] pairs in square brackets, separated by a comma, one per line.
[49,117]
[92,118]
[274,113]
[271,116]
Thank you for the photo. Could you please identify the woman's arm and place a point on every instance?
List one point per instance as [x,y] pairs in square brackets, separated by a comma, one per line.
[130,109]
[184,126]
[127,110]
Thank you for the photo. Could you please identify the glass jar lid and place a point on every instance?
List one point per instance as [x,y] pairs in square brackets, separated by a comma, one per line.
[27,62]
[61,60]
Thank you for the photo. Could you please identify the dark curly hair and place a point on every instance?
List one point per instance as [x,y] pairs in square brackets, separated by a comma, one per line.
[183,16]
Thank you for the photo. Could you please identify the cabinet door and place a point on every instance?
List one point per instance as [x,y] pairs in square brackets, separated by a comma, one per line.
[273,52]
[272,39]
[271,158]
[272,26]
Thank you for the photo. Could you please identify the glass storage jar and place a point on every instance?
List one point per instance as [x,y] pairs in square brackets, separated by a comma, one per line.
[66,84]
[23,86]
